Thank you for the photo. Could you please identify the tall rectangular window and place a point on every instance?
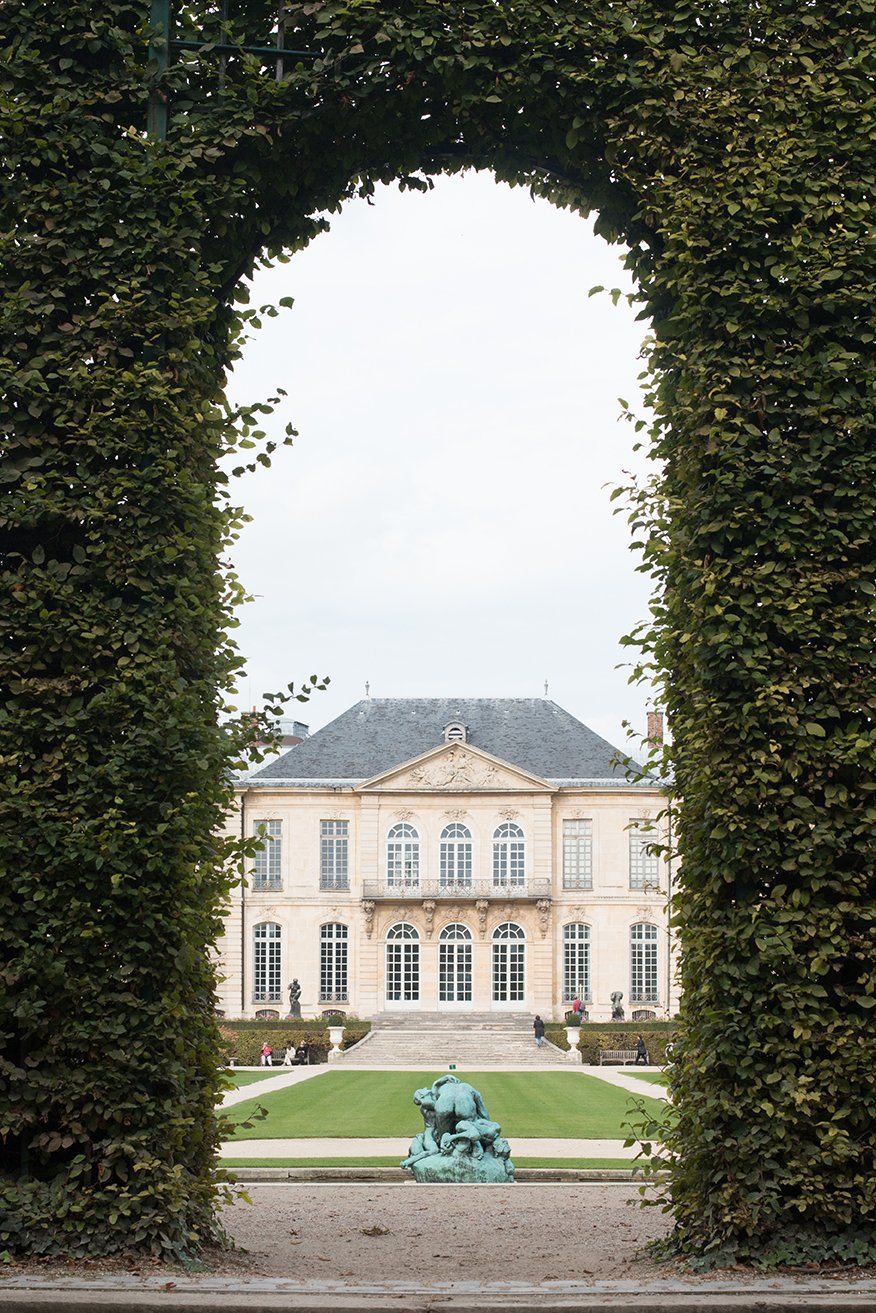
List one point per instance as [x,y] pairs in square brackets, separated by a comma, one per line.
[266,962]
[576,962]
[266,871]
[334,857]
[643,963]
[333,963]
[577,854]
[644,862]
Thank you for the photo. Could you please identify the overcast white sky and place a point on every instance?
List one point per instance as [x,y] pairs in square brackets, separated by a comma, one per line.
[441,526]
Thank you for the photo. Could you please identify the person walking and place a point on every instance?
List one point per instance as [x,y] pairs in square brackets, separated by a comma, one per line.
[538,1027]
[641,1052]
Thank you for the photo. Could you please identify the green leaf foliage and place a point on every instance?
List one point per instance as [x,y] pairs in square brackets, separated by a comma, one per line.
[730,146]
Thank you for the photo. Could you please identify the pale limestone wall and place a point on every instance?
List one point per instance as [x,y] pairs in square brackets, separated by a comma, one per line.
[300,908]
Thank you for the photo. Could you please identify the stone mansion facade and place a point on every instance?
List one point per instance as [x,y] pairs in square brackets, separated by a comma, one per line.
[468,855]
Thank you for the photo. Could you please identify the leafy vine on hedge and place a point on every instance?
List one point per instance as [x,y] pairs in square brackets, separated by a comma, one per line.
[730,145]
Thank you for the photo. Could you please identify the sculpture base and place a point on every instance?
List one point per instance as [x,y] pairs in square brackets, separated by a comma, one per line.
[459,1169]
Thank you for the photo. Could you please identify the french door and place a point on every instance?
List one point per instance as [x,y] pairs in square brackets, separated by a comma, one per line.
[454,966]
[402,966]
[509,965]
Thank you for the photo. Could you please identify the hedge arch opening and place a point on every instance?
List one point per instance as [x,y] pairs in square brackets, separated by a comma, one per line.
[730,147]
[433,334]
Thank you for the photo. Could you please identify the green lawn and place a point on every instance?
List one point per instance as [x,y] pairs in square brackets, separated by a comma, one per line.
[612,1163]
[653,1077]
[353,1104]
[239,1078]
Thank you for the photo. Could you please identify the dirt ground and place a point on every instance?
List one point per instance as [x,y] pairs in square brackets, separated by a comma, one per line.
[357,1233]
[363,1232]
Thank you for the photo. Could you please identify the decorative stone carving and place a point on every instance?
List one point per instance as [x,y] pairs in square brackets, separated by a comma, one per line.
[429,916]
[458,1143]
[482,907]
[456,769]
[403,814]
[509,813]
[368,908]
[456,813]
[544,915]
[617,1010]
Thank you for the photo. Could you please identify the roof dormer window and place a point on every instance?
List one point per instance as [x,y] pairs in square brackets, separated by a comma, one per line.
[455,732]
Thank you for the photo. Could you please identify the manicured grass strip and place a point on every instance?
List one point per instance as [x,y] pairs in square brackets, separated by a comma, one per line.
[652,1077]
[310,1162]
[363,1104]
[578,1163]
[608,1164]
[239,1078]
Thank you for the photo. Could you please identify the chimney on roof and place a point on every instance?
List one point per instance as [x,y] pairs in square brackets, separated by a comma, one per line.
[654,736]
[292,732]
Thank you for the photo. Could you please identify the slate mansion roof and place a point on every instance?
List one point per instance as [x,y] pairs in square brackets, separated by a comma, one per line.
[378,734]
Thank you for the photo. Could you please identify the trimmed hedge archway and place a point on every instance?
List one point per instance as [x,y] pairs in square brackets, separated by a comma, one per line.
[730,146]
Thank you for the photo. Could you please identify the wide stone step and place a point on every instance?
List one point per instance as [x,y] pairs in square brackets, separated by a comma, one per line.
[465,1044]
[432,1021]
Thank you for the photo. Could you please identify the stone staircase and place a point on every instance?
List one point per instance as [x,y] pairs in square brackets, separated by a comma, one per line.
[417,1039]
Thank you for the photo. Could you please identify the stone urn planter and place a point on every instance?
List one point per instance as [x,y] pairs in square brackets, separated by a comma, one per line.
[336,1037]
[573,1033]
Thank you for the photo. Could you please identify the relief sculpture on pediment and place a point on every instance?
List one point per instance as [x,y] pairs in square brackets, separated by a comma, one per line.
[457,769]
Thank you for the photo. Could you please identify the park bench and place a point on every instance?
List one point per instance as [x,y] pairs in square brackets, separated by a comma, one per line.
[278,1059]
[622,1056]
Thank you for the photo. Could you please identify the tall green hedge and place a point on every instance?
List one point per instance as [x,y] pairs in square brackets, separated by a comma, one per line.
[730,145]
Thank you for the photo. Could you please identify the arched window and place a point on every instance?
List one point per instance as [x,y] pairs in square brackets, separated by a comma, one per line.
[509,856]
[455,732]
[402,930]
[333,940]
[454,964]
[576,962]
[643,963]
[266,962]
[455,863]
[403,855]
[509,963]
[402,964]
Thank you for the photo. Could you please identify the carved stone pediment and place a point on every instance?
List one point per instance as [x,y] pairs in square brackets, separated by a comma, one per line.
[456,768]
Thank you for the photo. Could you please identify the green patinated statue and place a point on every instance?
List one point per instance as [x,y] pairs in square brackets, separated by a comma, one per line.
[458,1142]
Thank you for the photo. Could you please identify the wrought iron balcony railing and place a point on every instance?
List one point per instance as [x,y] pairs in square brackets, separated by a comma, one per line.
[416,891]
